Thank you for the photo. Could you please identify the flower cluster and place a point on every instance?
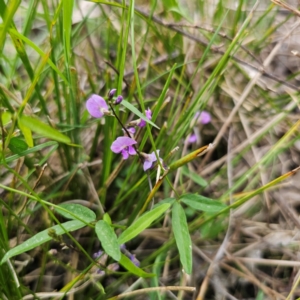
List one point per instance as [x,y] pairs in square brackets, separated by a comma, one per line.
[126,145]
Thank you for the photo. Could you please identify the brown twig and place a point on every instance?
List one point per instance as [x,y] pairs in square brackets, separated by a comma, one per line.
[153,289]
[286,6]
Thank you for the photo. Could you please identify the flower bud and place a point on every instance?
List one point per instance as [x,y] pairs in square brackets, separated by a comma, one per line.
[111,93]
[118,100]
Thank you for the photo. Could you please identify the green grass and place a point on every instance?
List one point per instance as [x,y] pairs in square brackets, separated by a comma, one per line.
[225,214]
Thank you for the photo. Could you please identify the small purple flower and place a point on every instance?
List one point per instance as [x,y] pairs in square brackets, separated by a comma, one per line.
[97,254]
[142,123]
[134,260]
[111,93]
[150,159]
[118,100]
[96,106]
[192,138]
[203,117]
[100,272]
[131,131]
[123,145]
[122,247]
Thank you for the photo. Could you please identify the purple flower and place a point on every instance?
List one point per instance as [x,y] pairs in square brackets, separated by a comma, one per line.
[131,131]
[100,272]
[97,254]
[142,123]
[203,117]
[96,106]
[192,138]
[134,260]
[123,145]
[150,159]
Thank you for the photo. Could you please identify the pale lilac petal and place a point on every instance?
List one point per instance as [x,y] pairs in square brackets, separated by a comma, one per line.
[131,150]
[149,114]
[121,143]
[197,115]
[150,160]
[147,165]
[125,154]
[192,138]
[117,146]
[153,156]
[131,130]
[95,104]
[205,117]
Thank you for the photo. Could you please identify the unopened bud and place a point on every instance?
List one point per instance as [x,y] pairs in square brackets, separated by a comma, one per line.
[111,93]
[118,100]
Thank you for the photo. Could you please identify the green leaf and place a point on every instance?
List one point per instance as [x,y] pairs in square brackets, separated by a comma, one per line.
[142,223]
[182,237]
[77,211]
[194,176]
[17,145]
[137,112]
[42,237]
[108,239]
[26,132]
[202,203]
[132,268]
[107,218]
[43,129]
[6,117]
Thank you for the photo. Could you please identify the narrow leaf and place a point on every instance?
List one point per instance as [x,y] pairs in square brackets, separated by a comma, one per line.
[202,203]
[42,237]
[52,144]
[132,268]
[43,129]
[6,117]
[26,132]
[137,112]
[182,237]
[108,239]
[76,211]
[194,176]
[142,223]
